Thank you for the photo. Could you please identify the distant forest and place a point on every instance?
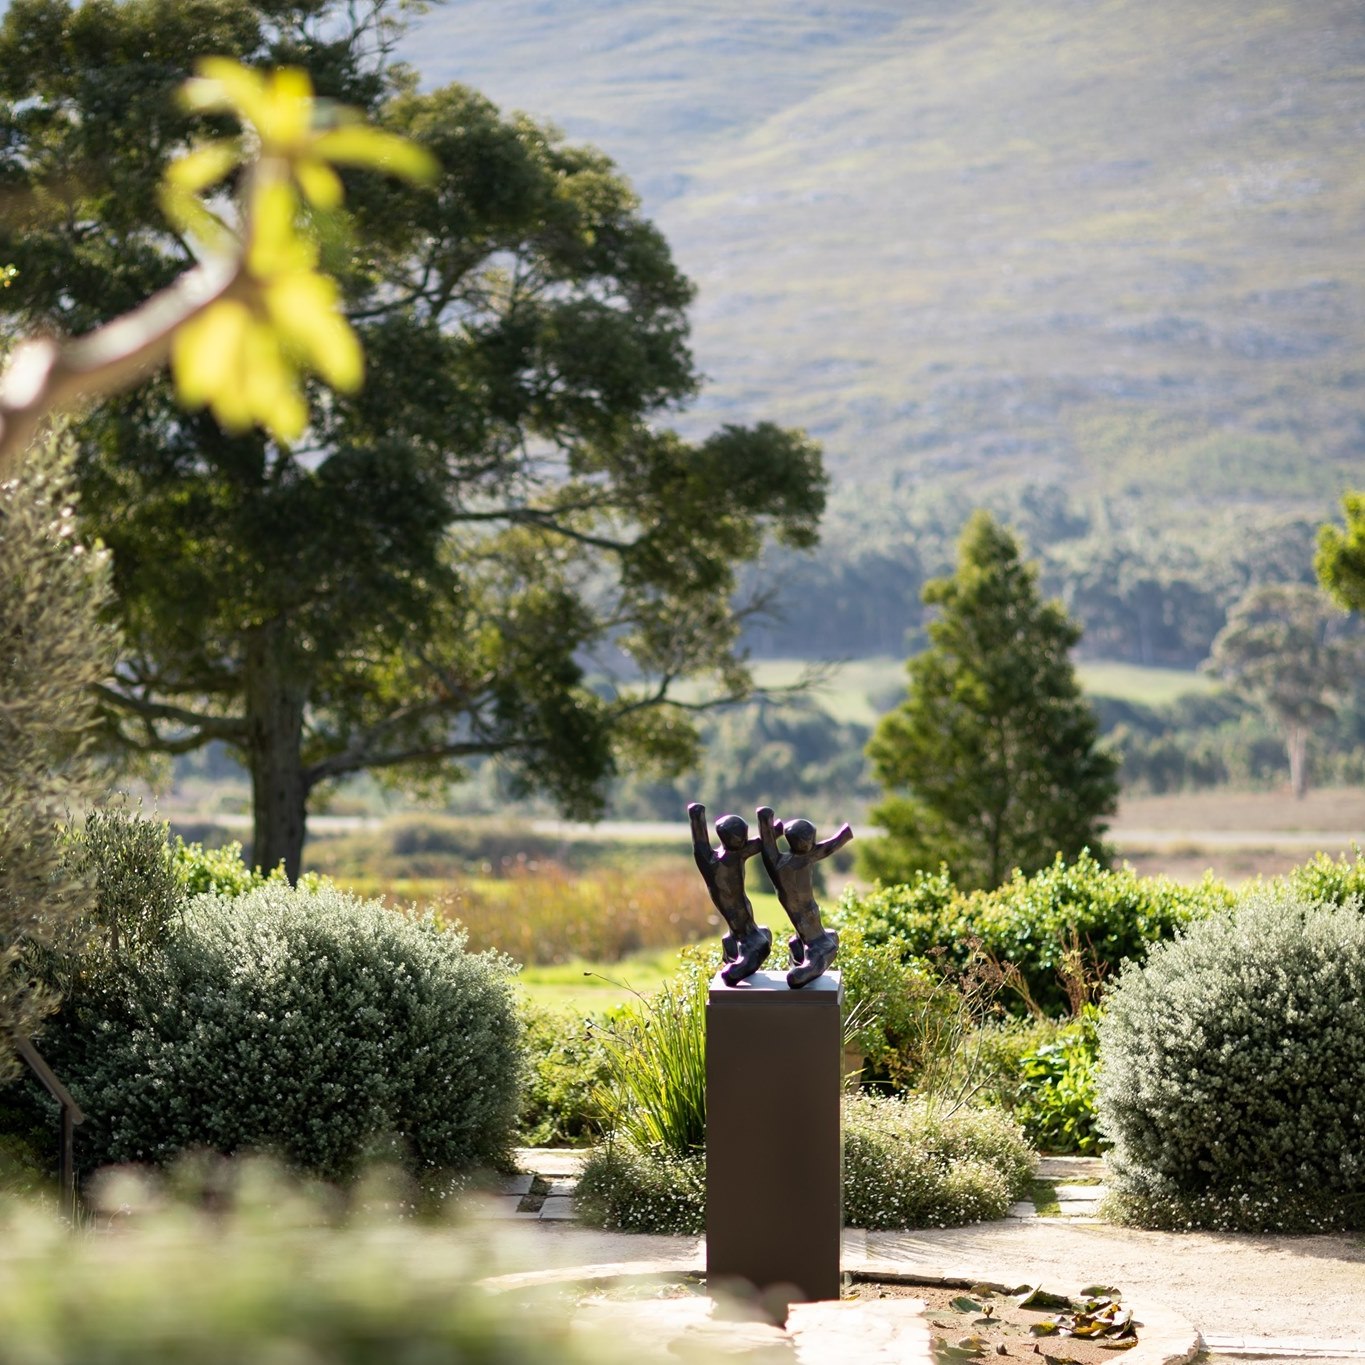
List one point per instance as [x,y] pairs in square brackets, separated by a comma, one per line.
[1142,596]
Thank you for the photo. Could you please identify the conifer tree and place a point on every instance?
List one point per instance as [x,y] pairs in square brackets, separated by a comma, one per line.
[992,761]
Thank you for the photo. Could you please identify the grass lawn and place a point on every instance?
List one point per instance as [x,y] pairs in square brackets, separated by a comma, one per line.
[1133,682]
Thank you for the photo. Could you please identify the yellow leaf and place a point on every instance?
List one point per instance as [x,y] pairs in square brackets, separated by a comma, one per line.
[204,166]
[320,183]
[356,144]
[274,244]
[270,385]
[303,307]
[206,352]
[223,84]
[288,113]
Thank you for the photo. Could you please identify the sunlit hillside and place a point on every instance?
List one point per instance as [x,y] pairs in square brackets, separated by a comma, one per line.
[1113,244]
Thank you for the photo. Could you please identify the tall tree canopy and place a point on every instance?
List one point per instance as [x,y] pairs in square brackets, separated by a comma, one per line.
[991,762]
[491,549]
[1284,648]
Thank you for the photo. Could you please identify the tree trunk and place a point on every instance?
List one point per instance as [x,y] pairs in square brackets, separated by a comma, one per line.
[1296,744]
[274,716]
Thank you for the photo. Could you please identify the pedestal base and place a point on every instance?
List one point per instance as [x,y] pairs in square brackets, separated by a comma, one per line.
[773,1084]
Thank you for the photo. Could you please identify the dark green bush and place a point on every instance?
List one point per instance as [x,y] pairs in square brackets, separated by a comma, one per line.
[899,1014]
[1109,915]
[304,1022]
[1232,1077]
[567,1066]
[1055,1097]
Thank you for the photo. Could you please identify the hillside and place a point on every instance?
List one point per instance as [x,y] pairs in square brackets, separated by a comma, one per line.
[1111,244]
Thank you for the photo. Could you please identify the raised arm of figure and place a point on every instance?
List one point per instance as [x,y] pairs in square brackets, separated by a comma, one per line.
[832,845]
[767,833]
[701,840]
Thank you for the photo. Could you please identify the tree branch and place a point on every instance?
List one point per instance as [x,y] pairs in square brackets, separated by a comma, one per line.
[46,373]
[232,728]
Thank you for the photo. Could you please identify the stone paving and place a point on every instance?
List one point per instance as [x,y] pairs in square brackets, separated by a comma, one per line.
[1037,1237]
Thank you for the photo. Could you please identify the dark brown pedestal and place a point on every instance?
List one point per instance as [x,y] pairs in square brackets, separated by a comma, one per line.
[773,1082]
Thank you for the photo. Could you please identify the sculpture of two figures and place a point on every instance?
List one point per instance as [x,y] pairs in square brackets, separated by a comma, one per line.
[747,945]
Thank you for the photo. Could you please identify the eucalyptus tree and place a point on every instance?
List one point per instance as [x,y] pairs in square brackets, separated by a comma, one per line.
[496,547]
[1285,648]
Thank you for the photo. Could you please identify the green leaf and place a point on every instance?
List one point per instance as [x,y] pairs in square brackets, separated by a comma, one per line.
[965,1305]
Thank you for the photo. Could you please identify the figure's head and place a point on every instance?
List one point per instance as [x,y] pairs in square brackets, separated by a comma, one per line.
[800,835]
[732,831]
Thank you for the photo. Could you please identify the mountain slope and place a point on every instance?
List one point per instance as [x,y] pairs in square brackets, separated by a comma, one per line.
[1115,243]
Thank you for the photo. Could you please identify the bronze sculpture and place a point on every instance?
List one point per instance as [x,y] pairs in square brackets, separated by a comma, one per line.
[813,947]
[747,945]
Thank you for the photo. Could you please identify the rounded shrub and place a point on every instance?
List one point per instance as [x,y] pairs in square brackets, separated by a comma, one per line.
[1232,1071]
[305,1022]
[908,1165]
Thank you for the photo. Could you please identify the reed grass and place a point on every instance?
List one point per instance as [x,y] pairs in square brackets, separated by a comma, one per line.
[548,915]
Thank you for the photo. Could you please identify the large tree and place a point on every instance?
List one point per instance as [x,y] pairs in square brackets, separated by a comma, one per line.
[1284,647]
[992,760]
[493,549]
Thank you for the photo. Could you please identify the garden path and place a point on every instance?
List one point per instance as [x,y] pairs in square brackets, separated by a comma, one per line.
[1274,1298]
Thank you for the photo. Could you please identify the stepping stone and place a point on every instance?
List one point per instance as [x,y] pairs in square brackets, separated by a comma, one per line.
[552,1161]
[561,1187]
[514,1184]
[558,1208]
[1080,1194]
[1023,1209]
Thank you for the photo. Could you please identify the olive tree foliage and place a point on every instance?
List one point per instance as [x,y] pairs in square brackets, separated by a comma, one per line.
[55,600]
[495,547]
[992,761]
[1285,647]
[1340,560]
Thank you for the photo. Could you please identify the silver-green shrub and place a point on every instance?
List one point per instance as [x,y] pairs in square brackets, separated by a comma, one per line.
[304,1022]
[909,1165]
[1232,1071]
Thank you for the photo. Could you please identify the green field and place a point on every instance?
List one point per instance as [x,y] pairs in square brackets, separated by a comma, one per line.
[862,690]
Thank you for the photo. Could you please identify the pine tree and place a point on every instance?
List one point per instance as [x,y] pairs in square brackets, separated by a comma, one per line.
[992,761]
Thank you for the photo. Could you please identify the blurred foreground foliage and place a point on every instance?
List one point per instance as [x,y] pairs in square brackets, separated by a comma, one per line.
[228,1263]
